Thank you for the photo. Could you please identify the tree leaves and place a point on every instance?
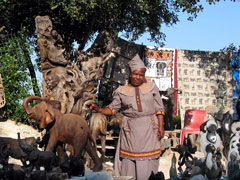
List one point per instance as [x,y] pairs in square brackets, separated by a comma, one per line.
[16,80]
[79,20]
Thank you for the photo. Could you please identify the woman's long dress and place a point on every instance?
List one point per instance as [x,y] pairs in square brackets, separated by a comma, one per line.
[138,147]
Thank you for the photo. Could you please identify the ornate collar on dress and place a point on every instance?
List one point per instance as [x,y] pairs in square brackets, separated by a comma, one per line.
[128,90]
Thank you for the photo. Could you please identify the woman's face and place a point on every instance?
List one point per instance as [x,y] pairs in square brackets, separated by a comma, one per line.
[137,77]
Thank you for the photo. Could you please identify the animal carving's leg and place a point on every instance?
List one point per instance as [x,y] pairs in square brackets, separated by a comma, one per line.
[30,167]
[69,148]
[37,165]
[23,160]
[103,143]
[93,136]
[79,144]
[91,150]
[170,118]
[78,148]
[51,144]
[193,141]
[61,153]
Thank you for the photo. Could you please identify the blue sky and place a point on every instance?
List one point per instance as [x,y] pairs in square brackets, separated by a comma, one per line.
[215,27]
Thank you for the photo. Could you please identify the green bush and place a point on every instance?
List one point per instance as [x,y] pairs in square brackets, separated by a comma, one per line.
[16,81]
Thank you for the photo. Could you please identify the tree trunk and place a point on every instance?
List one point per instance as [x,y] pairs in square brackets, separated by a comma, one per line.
[32,72]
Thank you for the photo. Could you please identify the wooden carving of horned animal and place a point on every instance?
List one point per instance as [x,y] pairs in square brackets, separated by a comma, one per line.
[66,128]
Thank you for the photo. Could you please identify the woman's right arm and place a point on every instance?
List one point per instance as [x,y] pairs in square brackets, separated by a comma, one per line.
[109,110]
[105,110]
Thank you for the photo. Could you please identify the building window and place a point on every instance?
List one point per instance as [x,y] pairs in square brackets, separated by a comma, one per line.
[193,87]
[194,94]
[185,72]
[214,101]
[191,65]
[192,79]
[199,87]
[186,86]
[198,72]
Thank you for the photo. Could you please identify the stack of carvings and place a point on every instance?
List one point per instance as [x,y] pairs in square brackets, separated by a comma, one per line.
[70,82]
[72,77]
[200,73]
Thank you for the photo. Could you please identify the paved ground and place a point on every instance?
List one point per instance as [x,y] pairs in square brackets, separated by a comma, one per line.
[166,161]
[9,129]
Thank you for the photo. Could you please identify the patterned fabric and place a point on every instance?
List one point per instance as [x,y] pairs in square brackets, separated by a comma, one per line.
[139,132]
[136,63]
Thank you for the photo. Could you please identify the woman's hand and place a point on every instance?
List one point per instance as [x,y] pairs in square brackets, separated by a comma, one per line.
[105,110]
[161,133]
[92,107]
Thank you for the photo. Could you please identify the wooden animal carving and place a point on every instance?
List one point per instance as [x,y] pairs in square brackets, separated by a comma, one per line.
[37,158]
[98,128]
[170,106]
[14,149]
[66,128]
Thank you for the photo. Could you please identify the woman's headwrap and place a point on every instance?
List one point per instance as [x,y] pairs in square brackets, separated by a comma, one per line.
[136,63]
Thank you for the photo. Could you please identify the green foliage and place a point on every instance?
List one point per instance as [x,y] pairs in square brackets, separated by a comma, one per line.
[231,48]
[80,20]
[16,81]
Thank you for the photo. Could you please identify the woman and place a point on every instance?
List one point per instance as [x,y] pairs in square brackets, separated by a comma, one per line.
[142,129]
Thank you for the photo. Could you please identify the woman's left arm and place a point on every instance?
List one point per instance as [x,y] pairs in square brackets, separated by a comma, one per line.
[159,111]
[161,130]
